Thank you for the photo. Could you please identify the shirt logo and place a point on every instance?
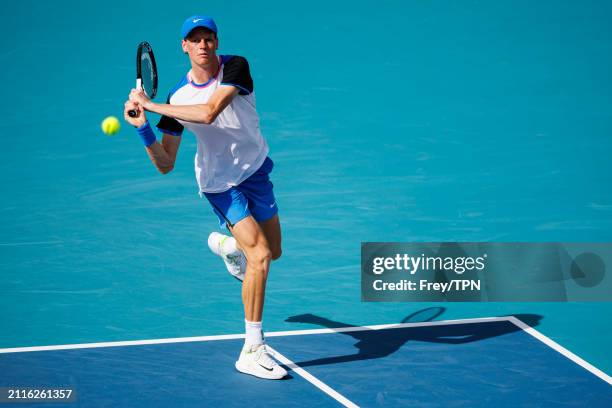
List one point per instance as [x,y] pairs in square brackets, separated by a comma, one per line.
[273,204]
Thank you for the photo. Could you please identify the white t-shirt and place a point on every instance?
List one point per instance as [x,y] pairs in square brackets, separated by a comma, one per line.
[231,148]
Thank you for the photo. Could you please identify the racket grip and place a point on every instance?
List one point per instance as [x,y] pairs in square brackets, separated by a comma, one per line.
[132,113]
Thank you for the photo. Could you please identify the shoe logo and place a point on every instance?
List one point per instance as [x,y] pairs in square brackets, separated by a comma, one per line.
[195,20]
[269,369]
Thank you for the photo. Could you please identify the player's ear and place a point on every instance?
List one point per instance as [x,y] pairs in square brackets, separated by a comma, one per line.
[184,45]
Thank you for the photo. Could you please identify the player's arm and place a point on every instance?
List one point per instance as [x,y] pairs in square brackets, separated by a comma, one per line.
[200,113]
[236,80]
[163,155]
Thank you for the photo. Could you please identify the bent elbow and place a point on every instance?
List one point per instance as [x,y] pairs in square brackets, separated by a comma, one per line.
[207,115]
[207,119]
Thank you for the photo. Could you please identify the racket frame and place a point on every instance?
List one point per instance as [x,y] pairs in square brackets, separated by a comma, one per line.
[145,47]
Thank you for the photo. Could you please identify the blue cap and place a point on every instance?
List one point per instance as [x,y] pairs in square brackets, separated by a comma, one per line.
[198,21]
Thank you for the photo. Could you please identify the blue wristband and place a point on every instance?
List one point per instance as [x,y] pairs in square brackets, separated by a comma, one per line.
[146,134]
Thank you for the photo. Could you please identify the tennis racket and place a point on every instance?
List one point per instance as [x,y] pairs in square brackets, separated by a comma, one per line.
[146,72]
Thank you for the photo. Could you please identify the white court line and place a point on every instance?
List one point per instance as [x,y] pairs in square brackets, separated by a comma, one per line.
[313,380]
[559,348]
[530,330]
[241,336]
[122,343]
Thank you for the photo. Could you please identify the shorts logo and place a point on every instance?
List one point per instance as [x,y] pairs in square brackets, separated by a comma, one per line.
[273,204]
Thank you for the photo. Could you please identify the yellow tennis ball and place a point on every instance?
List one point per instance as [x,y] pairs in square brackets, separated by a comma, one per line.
[111,125]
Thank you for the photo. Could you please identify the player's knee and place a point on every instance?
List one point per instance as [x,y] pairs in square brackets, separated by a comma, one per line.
[265,256]
[276,253]
[259,258]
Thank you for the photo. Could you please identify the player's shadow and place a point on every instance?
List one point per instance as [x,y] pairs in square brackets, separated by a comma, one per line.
[380,343]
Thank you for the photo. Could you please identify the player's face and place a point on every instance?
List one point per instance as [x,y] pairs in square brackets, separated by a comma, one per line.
[201,46]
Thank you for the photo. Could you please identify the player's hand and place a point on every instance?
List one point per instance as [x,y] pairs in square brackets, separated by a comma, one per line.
[140,118]
[138,96]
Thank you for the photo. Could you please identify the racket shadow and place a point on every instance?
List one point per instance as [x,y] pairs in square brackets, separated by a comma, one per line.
[373,344]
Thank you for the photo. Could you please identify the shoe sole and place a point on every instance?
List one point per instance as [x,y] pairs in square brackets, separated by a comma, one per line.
[245,370]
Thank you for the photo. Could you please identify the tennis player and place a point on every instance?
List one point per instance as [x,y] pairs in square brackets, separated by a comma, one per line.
[216,102]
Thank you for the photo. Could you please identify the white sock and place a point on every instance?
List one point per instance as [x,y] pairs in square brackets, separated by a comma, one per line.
[254,334]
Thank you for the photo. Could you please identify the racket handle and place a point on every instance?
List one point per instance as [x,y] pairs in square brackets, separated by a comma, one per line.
[132,113]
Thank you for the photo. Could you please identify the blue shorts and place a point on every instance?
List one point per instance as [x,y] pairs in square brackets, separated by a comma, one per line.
[254,196]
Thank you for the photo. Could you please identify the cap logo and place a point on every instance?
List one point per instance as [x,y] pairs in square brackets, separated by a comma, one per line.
[195,20]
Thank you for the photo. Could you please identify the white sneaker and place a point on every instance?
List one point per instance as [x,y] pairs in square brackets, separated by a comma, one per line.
[234,261]
[257,360]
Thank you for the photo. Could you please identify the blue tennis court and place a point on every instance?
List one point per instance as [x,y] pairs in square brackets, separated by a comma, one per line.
[471,363]
[400,121]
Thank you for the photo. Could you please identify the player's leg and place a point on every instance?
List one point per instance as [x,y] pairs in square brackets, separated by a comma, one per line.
[254,358]
[253,242]
[254,196]
[249,211]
